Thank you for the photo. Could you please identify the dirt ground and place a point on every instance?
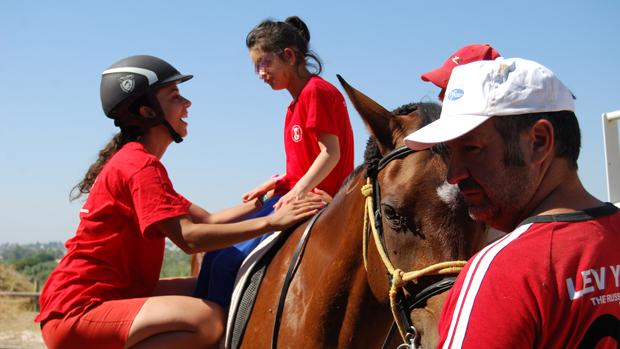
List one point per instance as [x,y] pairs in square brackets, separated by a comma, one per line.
[18,331]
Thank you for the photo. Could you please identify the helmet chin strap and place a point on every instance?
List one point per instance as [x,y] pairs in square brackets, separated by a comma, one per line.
[175,136]
[159,115]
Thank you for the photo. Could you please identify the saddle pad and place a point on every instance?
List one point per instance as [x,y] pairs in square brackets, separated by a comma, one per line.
[246,287]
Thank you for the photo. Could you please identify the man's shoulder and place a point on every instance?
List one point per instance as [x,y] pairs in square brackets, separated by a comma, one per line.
[604,210]
[573,226]
[509,250]
[542,241]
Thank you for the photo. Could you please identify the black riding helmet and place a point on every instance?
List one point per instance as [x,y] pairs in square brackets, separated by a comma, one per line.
[131,79]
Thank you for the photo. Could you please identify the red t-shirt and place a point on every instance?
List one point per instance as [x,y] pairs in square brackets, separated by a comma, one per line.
[320,107]
[554,282]
[116,252]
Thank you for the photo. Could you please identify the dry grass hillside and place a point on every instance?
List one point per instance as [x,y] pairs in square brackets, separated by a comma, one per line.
[17,314]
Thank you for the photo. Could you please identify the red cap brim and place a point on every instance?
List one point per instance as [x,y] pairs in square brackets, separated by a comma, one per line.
[439,76]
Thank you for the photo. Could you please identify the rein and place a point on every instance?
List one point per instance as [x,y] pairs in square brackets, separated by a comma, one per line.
[399,278]
[292,269]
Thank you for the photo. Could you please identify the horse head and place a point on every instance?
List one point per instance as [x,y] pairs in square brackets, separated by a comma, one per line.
[420,221]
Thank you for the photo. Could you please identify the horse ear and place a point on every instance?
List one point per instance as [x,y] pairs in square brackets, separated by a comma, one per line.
[376,118]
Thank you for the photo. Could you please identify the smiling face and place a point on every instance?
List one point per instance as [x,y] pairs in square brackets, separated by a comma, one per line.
[174,107]
[495,193]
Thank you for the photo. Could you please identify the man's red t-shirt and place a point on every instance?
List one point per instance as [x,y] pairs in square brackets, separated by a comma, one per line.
[320,107]
[117,251]
[552,283]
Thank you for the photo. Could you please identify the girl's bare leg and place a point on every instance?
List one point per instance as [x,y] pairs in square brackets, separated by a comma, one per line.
[176,321]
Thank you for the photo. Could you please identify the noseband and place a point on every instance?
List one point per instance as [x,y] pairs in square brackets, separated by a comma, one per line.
[399,303]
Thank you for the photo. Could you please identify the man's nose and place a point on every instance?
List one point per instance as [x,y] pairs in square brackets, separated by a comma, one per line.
[456,171]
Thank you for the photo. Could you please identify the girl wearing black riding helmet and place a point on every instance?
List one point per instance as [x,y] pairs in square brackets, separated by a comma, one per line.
[106,292]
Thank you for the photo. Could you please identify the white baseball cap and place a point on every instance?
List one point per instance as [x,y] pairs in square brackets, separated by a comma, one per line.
[480,90]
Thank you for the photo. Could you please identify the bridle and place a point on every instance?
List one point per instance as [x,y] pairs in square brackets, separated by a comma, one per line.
[397,278]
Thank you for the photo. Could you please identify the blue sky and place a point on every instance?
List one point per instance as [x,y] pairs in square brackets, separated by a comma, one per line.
[52,54]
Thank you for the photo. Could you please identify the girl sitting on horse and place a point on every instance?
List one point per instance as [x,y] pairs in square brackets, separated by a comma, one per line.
[318,139]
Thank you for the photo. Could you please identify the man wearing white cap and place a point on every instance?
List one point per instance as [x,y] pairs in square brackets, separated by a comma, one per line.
[554,282]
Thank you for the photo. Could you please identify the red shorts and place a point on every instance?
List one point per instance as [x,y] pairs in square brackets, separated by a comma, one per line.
[104,325]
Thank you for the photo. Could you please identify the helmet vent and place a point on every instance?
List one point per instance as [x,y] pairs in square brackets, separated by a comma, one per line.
[149,74]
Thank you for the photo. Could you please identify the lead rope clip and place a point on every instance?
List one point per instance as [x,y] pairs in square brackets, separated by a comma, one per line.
[412,337]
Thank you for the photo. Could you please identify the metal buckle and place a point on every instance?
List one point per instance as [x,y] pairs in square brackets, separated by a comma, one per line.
[412,336]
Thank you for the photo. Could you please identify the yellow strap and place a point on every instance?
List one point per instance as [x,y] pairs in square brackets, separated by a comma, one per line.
[399,277]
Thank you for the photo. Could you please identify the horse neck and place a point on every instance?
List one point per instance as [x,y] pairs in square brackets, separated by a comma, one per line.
[360,313]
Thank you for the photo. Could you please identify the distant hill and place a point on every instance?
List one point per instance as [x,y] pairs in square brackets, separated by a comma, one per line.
[11,251]
[35,261]
[12,280]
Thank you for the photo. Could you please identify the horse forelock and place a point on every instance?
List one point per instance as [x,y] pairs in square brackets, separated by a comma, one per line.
[426,111]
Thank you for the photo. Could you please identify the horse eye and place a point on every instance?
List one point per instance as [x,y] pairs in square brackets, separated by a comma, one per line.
[395,220]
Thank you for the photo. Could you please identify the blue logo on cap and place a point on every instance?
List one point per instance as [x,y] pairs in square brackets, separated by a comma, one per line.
[455,94]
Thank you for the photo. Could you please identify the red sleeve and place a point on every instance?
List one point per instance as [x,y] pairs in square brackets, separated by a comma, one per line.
[323,108]
[155,199]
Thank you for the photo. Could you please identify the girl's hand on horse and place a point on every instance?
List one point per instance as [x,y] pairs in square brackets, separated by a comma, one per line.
[314,193]
[293,194]
[259,191]
[325,197]
[295,211]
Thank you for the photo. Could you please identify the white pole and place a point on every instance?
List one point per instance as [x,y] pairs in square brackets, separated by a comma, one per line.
[612,116]
[612,154]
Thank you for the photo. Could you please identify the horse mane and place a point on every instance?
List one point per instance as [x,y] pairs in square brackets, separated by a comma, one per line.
[427,111]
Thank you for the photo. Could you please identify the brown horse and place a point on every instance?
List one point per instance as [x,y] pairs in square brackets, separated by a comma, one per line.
[334,299]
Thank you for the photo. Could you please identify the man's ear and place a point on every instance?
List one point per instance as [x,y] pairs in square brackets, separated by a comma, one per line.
[541,140]
[146,111]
